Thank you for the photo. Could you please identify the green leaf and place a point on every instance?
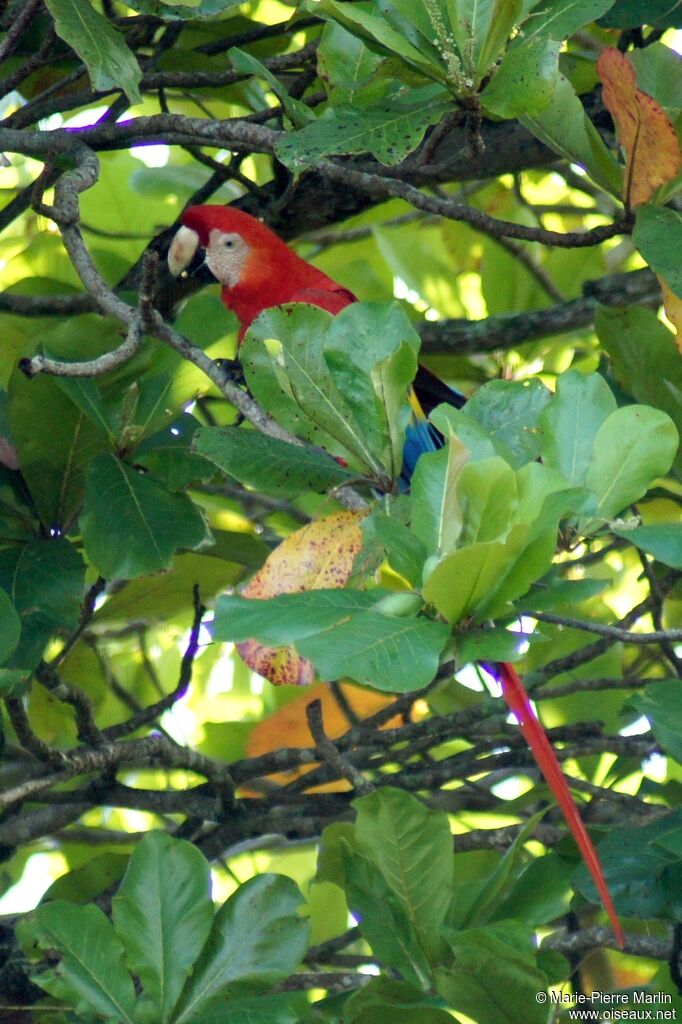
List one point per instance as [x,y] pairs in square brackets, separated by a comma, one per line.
[494,977]
[388,1001]
[391,653]
[658,74]
[131,525]
[85,395]
[412,847]
[506,14]
[267,464]
[404,551]
[629,13]
[658,236]
[553,596]
[371,350]
[645,359]
[170,455]
[91,975]
[362,19]
[541,893]
[289,618]
[487,492]
[55,442]
[236,546]
[339,382]
[662,540]
[509,411]
[344,60]
[508,538]
[277,1009]
[10,628]
[462,580]
[488,645]
[147,405]
[169,595]
[44,579]
[172,11]
[297,112]
[100,46]
[14,682]
[564,126]
[491,893]
[571,420]
[642,869]
[632,447]
[471,872]
[85,883]
[384,920]
[662,705]
[470,22]
[342,634]
[257,940]
[472,435]
[559,19]
[543,501]
[285,368]
[416,22]
[163,915]
[525,80]
[436,513]
[389,129]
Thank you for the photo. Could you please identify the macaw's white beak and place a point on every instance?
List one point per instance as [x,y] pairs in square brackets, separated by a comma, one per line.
[184,249]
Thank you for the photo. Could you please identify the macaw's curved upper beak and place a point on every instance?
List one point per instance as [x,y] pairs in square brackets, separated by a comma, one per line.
[187,258]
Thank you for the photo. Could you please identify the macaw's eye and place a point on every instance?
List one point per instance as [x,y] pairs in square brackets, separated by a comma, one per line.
[228,243]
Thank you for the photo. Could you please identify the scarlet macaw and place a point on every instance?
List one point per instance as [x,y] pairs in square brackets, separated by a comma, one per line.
[257,270]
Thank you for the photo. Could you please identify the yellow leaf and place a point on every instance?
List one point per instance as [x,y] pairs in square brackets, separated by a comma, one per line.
[316,557]
[644,130]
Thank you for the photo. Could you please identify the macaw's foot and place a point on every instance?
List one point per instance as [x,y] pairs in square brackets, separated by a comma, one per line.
[232,369]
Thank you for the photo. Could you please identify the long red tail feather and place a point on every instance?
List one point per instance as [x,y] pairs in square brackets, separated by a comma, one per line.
[519,704]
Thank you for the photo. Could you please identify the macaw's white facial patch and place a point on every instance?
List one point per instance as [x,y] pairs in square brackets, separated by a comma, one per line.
[226,256]
[182,250]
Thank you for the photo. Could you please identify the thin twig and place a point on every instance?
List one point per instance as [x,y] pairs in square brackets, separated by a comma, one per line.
[671,636]
[385,188]
[326,749]
[150,714]
[27,738]
[17,27]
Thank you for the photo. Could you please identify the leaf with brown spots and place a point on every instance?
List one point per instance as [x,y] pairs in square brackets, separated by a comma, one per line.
[645,132]
[318,556]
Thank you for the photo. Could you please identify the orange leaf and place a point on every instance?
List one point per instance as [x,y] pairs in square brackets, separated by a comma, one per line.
[644,129]
[318,556]
[289,725]
[673,309]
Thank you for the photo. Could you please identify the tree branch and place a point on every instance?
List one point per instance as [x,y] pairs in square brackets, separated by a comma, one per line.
[612,632]
[380,188]
[460,337]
